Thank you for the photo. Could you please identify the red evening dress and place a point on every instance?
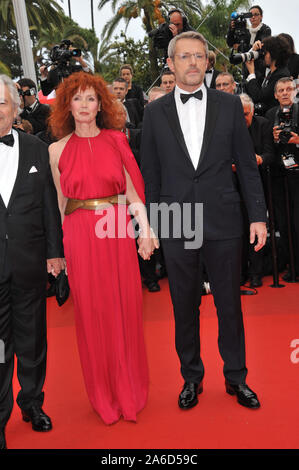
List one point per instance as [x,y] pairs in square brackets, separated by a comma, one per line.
[104,275]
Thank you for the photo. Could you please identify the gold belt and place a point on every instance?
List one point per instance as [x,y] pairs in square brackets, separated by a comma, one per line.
[93,204]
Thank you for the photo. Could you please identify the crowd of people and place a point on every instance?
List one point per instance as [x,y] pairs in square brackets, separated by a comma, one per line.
[198,137]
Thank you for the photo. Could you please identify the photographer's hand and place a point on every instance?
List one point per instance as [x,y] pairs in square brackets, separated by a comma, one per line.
[257,45]
[276,132]
[294,139]
[43,71]
[173,29]
[250,66]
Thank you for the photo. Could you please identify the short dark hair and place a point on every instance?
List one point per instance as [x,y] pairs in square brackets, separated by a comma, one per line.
[120,80]
[126,66]
[258,8]
[167,72]
[278,48]
[27,82]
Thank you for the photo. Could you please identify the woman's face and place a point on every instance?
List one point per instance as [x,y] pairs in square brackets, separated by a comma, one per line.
[256,17]
[85,105]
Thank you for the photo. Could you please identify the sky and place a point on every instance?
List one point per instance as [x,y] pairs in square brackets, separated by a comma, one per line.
[282,17]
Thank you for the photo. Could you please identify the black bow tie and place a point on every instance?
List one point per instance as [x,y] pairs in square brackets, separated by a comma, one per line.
[7,140]
[209,71]
[197,94]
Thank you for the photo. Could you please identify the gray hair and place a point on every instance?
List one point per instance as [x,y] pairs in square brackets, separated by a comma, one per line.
[226,74]
[186,35]
[284,80]
[11,86]
[246,100]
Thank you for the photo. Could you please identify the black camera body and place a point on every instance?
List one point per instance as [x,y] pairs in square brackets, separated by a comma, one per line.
[241,33]
[287,125]
[60,56]
[161,36]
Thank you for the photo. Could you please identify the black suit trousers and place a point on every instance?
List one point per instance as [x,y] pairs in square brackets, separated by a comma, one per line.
[222,260]
[23,332]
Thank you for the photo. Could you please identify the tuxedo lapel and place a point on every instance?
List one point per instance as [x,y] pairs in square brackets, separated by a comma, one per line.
[211,117]
[22,167]
[173,120]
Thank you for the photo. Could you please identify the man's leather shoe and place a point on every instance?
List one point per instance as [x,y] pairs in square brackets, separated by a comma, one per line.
[152,286]
[256,281]
[287,277]
[245,396]
[188,396]
[39,420]
[2,440]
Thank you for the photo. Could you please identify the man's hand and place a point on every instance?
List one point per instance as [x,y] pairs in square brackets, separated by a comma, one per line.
[250,66]
[173,29]
[259,159]
[259,230]
[43,71]
[55,265]
[294,139]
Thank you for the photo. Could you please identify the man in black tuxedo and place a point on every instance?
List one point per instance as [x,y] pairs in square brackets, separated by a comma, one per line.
[211,72]
[30,245]
[120,90]
[32,110]
[190,138]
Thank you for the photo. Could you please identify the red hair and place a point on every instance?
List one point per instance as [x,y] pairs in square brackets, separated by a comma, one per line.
[61,121]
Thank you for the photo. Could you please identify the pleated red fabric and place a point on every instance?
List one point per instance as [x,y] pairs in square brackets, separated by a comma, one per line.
[104,275]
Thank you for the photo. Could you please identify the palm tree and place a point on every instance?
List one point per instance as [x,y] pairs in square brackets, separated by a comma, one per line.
[39,13]
[151,12]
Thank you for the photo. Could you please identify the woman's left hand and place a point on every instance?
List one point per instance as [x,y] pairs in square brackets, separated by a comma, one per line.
[147,246]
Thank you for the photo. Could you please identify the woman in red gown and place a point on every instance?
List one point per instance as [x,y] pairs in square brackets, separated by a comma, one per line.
[92,162]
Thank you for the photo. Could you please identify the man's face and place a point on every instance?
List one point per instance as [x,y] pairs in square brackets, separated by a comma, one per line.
[248,114]
[285,93]
[189,63]
[256,19]
[177,20]
[119,89]
[225,83]
[28,99]
[126,75]
[168,82]
[8,110]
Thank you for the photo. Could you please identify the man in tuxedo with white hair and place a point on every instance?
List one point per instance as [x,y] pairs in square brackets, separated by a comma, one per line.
[30,246]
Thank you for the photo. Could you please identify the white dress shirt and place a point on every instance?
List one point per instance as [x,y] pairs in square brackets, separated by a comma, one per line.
[192,117]
[9,162]
[208,77]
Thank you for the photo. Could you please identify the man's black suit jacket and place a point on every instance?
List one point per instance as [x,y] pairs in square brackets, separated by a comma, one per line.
[134,110]
[170,176]
[265,95]
[30,226]
[215,74]
[37,118]
[262,139]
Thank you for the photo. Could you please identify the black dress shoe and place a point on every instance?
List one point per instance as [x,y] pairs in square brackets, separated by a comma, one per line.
[188,396]
[152,286]
[256,281]
[40,421]
[245,396]
[287,277]
[2,440]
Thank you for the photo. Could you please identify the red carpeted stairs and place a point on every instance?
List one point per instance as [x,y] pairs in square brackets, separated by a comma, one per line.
[271,324]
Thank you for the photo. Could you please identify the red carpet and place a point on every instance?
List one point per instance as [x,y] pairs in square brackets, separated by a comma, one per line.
[271,323]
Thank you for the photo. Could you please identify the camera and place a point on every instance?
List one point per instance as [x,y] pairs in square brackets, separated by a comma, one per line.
[60,56]
[241,33]
[161,36]
[246,56]
[286,126]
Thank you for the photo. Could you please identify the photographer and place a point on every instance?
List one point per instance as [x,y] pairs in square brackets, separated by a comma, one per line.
[32,110]
[276,54]
[175,24]
[284,120]
[242,38]
[62,57]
